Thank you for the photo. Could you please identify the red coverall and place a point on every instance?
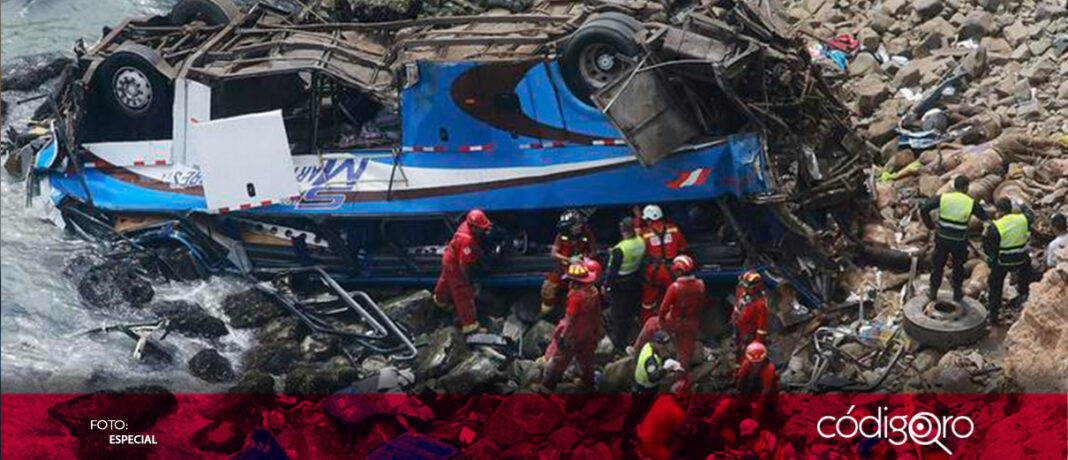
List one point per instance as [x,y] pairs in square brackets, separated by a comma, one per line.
[751,321]
[566,245]
[453,286]
[757,384]
[583,329]
[680,315]
[663,241]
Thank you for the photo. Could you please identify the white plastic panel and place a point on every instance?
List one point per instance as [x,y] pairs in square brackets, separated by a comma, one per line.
[244,161]
[192,104]
[133,153]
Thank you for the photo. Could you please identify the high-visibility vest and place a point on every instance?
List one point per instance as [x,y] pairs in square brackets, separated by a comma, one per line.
[1015,238]
[954,210]
[640,375]
[633,249]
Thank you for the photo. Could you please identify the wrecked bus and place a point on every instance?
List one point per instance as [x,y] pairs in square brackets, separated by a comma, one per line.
[256,143]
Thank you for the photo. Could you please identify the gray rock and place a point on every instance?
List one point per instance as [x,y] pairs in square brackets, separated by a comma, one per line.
[536,339]
[995,46]
[928,9]
[1046,9]
[1040,46]
[272,358]
[254,382]
[618,376]
[991,5]
[1062,91]
[1015,34]
[975,63]
[190,319]
[210,366]
[871,91]
[894,7]
[883,128]
[316,347]
[445,349]
[1030,111]
[320,378]
[383,10]
[862,64]
[476,370]
[881,22]
[976,25]
[417,312]
[868,38]
[26,73]
[1039,72]
[250,308]
[907,77]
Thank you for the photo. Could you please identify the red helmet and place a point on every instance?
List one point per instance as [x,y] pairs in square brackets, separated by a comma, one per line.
[585,271]
[755,352]
[683,265]
[751,280]
[477,218]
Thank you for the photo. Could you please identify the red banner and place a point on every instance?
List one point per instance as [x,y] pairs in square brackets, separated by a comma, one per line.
[162,425]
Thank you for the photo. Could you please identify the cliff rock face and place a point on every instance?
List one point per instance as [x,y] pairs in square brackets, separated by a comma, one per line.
[1036,349]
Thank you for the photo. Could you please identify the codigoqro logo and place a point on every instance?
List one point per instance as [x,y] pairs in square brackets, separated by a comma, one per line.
[922,428]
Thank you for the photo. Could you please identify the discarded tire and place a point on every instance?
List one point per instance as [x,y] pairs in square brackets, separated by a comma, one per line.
[591,57]
[211,12]
[944,323]
[133,86]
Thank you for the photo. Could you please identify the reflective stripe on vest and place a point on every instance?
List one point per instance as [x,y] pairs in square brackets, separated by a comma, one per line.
[954,210]
[640,375]
[633,250]
[1014,235]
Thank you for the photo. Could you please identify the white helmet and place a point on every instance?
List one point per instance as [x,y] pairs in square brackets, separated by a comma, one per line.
[652,212]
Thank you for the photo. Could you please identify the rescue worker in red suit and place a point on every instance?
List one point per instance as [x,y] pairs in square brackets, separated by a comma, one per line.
[455,285]
[681,309]
[750,311]
[663,242]
[583,325]
[574,242]
[757,384]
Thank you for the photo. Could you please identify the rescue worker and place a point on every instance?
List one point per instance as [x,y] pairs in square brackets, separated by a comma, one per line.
[455,285]
[653,364]
[574,242]
[682,307]
[756,381]
[955,209]
[583,325]
[1007,243]
[663,241]
[623,282]
[750,311]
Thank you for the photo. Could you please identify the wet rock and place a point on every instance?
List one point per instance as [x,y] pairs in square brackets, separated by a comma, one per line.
[927,9]
[210,366]
[476,370]
[283,329]
[272,358]
[536,339]
[523,418]
[316,347]
[320,379]
[140,407]
[115,284]
[190,319]
[416,311]
[250,308]
[445,349]
[254,382]
[26,73]
[221,437]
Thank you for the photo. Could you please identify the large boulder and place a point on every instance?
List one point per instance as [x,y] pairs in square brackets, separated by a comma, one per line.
[210,366]
[416,311]
[115,284]
[445,349]
[272,358]
[26,73]
[477,370]
[190,319]
[250,308]
[254,382]
[320,378]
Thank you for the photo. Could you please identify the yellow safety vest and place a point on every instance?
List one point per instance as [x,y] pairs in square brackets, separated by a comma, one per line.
[633,250]
[1015,238]
[640,375]
[954,210]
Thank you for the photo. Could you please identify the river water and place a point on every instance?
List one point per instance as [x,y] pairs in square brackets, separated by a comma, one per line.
[40,310]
